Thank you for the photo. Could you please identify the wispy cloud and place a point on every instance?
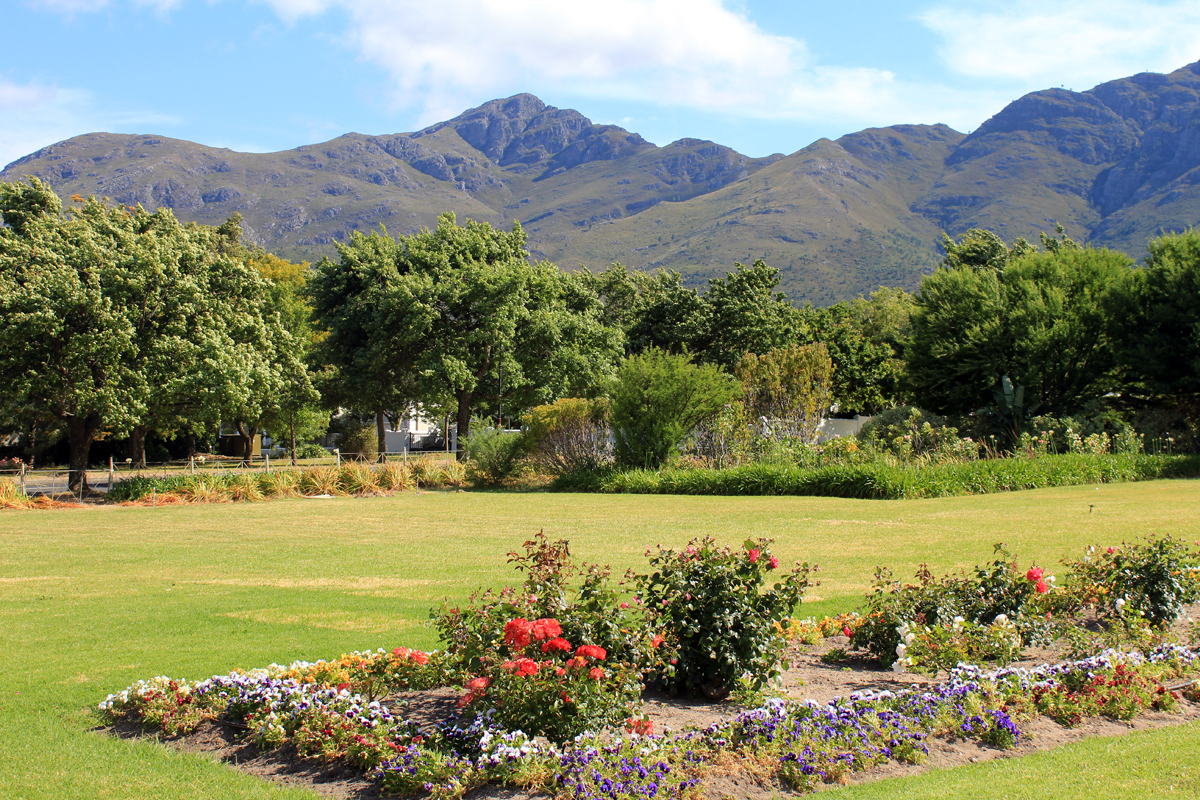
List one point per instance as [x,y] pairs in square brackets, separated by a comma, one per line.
[34,116]
[1078,43]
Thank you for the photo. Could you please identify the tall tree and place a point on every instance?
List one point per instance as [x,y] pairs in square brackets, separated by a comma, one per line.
[1156,324]
[1038,319]
[107,313]
[744,314]
[449,309]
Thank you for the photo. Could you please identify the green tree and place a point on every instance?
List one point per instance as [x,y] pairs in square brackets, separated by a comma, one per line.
[657,399]
[667,315]
[1156,324]
[743,314]
[1038,319]
[365,367]
[109,315]
[451,310]
[866,373]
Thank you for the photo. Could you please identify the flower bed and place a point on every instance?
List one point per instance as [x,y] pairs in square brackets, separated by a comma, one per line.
[553,703]
[790,744]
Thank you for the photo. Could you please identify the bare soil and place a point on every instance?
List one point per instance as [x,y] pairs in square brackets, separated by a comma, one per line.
[808,678]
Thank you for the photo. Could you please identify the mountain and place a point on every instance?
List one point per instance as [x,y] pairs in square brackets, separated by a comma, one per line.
[1115,165]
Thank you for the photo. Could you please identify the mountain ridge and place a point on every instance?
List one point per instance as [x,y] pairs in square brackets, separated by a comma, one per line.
[1115,165]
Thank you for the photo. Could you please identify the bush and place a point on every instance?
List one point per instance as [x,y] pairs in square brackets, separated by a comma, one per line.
[718,624]
[544,685]
[569,435]
[957,611]
[311,450]
[657,399]
[580,596]
[359,440]
[1155,578]
[789,386]
[493,456]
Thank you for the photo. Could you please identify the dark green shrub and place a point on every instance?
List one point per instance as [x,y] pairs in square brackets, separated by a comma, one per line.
[359,441]
[311,451]
[657,399]
[493,456]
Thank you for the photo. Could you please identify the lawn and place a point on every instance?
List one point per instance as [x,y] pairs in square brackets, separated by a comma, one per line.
[93,599]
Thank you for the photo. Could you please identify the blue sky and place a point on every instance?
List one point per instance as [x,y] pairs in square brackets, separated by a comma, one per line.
[760,76]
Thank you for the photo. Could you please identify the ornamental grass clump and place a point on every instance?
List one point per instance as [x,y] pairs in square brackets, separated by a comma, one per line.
[359,479]
[320,481]
[279,483]
[718,622]
[395,476]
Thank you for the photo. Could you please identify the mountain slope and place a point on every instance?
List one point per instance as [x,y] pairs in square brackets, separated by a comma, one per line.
[1115,165]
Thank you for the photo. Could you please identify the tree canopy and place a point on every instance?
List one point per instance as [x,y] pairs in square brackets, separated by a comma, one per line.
[114,318]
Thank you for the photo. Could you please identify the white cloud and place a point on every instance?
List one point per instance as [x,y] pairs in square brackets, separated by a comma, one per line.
[34,116]
[697,54]
[1077,43]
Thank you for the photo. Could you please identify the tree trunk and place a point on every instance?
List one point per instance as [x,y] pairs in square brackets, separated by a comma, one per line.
[80,433]
[380,435]
[191,445]
[247,440]
[137,447]
[464,423]
[292,434]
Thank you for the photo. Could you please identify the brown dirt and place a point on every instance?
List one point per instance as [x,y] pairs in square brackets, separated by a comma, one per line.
[808,678]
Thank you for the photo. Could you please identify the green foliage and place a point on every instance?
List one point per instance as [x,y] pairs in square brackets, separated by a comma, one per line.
[718,621]
[156,325]
[568,435]
[358,441]
[1039,319]
[658,399]
[451,308]
[1154,579]
[866,340]
[311,451]
[493,456]
[876,480]
[742,314]
[790,387]
[1157,324]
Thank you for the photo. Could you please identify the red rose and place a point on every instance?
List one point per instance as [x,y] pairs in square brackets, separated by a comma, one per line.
[1042,588]
[546,629]
[656,641]
[591,651]
[595,673]
[557,643]
[773,563]
[518,633]
[753,554]
[1034,574]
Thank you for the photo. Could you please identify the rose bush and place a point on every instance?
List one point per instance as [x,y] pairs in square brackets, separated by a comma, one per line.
[719,624]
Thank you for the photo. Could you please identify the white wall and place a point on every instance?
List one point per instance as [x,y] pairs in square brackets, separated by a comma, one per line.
[833,428]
